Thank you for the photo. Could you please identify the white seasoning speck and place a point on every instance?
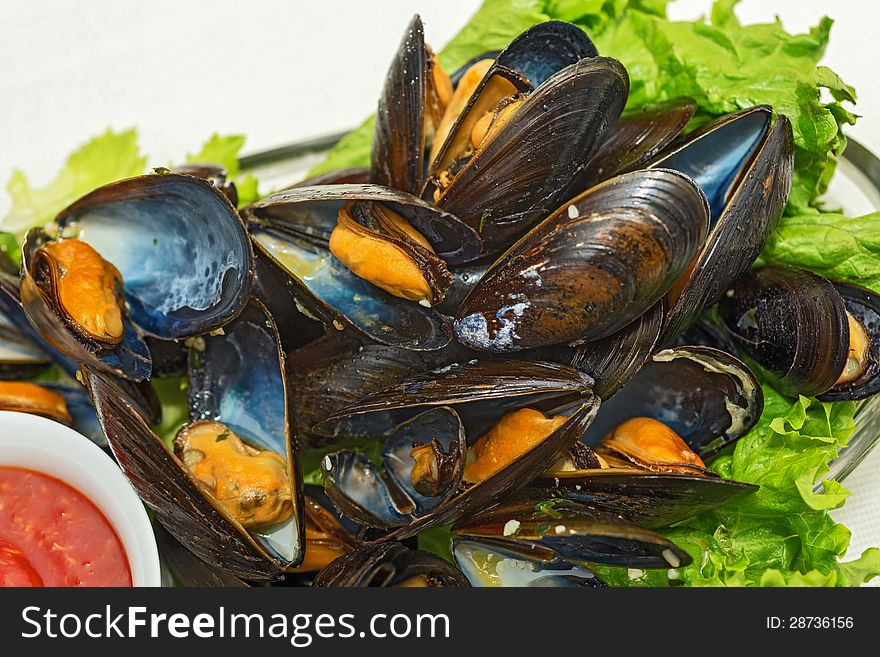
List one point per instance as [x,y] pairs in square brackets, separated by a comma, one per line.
[327,463]
[635,573]
[560,529]
[573,212]
[425,303]
[672,573]
[671,558]
[511,527]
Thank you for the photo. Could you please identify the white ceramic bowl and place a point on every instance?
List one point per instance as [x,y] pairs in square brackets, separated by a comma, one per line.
[35,443]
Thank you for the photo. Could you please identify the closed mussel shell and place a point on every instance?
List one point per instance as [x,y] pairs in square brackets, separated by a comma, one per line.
[646,498]
[743,162]
[706,396]
[595,265]
[557,528]
[794,324]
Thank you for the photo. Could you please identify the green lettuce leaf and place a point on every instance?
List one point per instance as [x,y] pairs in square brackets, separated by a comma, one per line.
[223,150]
[832,245]
[781,535]
[106,158]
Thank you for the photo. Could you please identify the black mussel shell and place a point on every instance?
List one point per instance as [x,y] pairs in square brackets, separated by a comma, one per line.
[548,529]
[240,379]
[791,322]
[488,390]
[183,252]
[637,138]
[336,371]
[521,172]
[487,564]
[592,267]
[186,569]
[794,324]
[399,135]
[743,162]
[390,565]
[706,396]
[647,498]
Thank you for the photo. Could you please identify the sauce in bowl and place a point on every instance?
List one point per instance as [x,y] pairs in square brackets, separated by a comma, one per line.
[53,535]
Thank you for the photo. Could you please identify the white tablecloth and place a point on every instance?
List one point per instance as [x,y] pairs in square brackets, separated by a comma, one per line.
[278,71]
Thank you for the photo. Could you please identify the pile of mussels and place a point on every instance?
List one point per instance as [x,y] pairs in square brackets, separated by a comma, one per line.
[512,299]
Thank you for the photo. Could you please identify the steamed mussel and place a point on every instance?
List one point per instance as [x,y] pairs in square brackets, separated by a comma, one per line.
[814,337]
[163,254]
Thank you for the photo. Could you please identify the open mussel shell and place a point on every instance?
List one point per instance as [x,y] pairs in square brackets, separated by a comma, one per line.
[241,381]
[647,498]
[129,359]
[546,530]
[239,378]
[183,251]
[638,137]
[311,212]
[521,171]
[327,290]
[481,392]
[743,162]
[706,396]
[141,395]
[357,489]
[794,324]
[592,267]
[390,565]
[487,564]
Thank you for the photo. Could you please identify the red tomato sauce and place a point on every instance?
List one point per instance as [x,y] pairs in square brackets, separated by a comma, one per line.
[52,535]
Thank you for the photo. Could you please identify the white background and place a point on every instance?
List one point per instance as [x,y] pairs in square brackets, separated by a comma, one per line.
[282,71]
